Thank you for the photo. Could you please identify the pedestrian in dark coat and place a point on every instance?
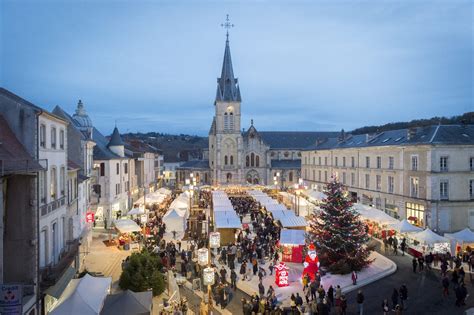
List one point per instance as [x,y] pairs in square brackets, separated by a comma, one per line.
[261,289]
[445,283]
[394,298]
[403,296]
[330,296]
[233,279]
[414,264]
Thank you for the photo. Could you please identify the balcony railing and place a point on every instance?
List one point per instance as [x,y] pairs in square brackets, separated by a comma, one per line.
[53,205]
[51,274]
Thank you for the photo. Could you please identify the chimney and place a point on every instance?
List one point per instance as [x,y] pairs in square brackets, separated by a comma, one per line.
[342,136]
[411,132]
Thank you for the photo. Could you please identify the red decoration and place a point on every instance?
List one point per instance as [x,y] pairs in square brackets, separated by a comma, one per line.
[90,217]
[311,263]
[281,275]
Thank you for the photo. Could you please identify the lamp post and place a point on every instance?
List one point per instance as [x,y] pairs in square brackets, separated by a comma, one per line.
[208,273]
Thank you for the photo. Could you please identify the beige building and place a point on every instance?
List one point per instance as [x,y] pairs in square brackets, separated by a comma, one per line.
[425,175]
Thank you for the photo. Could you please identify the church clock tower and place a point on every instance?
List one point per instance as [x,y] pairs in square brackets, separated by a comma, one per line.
[225,138]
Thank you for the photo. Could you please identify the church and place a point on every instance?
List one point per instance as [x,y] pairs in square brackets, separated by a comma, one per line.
[239,156]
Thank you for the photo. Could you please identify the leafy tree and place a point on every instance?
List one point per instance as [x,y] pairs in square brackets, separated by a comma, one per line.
[142,273]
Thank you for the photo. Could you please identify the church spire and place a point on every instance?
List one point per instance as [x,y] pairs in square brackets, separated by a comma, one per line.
[228,88]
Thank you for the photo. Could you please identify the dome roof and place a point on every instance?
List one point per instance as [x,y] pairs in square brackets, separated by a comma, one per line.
[81,117]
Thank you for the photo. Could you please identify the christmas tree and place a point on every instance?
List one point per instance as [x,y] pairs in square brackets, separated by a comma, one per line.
[338,233]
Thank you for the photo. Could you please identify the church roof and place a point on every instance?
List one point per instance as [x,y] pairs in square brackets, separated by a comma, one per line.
[80,116]
[294,140]
[115,139]
[286,164]
[227,85]
[212,131]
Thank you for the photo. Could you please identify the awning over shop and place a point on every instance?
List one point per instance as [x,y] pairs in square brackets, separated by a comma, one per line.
[292,237]
[288,219]
[126,226]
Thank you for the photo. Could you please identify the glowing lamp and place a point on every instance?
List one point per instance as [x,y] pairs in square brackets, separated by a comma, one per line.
[208,276]
[203,256]
[281,275]
[215,239]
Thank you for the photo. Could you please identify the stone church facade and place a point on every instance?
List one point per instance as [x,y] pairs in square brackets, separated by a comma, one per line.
[239,156]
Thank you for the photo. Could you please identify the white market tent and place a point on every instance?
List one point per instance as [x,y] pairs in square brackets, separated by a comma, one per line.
[314,195]
[374,214]
[463,236]
[405,227]
[174,221]
[126,226]
[292,237]
[429,237]
[83,296]
[164,191]
[288,219]
[136,211]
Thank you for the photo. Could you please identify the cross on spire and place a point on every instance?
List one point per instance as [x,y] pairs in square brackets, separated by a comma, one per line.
[227,25]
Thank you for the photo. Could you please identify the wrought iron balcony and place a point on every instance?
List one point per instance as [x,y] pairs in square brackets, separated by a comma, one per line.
[53,205]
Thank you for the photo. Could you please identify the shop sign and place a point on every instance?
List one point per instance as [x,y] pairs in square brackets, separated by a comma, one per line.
[11,299]
[90,217]
[281,275]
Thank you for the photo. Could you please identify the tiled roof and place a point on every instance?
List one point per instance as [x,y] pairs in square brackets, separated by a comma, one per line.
[196,164]
[290,164]
[430,135]
[115,139]
[295,140]
[101,151]
[71,165]
[13,156]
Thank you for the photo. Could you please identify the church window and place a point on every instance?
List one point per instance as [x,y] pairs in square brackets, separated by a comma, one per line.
[290,176]
[229,177]
[231,121]
[252,160]
[231,160]
[257,161]
[299,154]
[226,160]
[247,161]
[226,121]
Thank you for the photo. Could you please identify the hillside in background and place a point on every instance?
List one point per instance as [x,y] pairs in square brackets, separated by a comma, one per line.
[466,118]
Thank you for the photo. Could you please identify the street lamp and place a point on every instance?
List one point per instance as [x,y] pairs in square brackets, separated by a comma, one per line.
[214,242]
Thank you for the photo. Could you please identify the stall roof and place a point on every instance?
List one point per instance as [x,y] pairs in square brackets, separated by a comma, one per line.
[83,296]
[463,236]
[223,208]
[128,303]
[126,226]
[292,237]
[227,220]
[288,219]
[429,237]
[374,214]
[405,227]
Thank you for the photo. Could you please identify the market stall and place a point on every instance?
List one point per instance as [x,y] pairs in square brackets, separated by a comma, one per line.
[175,220]
[128,303]
[377,221]
[292,243]
[428,241]
[461,241]
[128,230]
[227,223]
[289,220]
[83,296]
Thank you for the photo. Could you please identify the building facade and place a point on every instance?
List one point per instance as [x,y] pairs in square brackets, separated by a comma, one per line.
[425,175]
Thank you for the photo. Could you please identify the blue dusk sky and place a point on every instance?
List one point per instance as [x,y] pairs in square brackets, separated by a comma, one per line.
[302,65]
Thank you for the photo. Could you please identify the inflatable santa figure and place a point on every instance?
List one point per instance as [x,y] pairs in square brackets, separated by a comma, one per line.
[311,263]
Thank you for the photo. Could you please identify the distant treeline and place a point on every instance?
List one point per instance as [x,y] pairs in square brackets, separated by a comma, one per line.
[467,118]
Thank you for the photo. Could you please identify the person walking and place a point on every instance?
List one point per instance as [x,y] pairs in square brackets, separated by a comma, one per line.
[403,246]
[394,298]
[445,283]
[360,302]
[243,270]
[233,279]
[313,288]
[261,289]
[330,296]
[414,264]
[395,246]
[421,262]
[403,296]
[354,277]
[385,307]
[343,304]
